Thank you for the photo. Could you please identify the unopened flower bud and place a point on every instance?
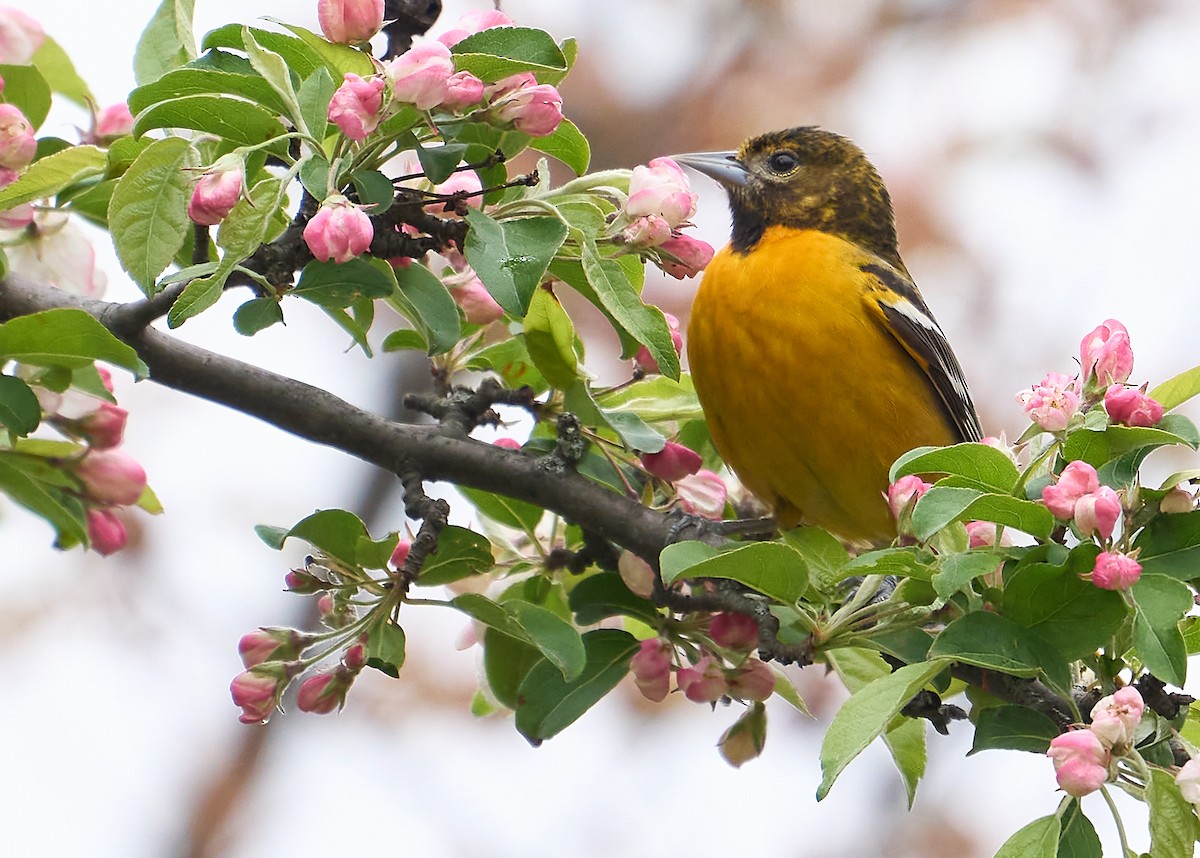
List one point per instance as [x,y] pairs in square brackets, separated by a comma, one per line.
[20,37]
[257,690]
[217,192]
[703,493]
[745,739]
[303,582]
[1052,402]
[1115,571]
[691,255]
[348,21]
[17,143]
[1131,406]
[106,531]
[111,477]
[463,90]
[1188,781]
[356,106]
[1080,762]
[104,428]
[508,443]
[1098,512]
[1115,718]
[1177,500]
[660,189]
[651,668]
[637,574]
[734,631]
[421,75]
[533,110]
[902,495]
[477,303]
[473,22]
[355,656]
[272,644]
[703,682]
[754,680]
[673,462]
[1077,479]
[324,692]
[339,231]
[113,121]
[1106,355]
[400,553]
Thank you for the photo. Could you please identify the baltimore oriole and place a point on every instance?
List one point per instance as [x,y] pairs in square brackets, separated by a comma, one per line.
[816,361]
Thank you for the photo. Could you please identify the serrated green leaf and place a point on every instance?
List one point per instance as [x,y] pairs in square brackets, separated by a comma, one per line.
[58,70]
[994,642]
[337,285]
[604,595]
[64,512]
[26,89]
[504,510]
[250,222]
[1038,839]
[47,176]
[568,145]
[335,532]
[423,300]
[956,571]
[822,552]
[1161,603]
[404,339]
[1078,838]
[256,315]
[986,467]
[386,645]
[240,122]
[550,339]
[1173,827]
[1170,545]
[943,505]
[316,91]
[510,359]
[1015,728]
[439,162]
[338,58]
[274,70]
[771,568]
[65,337]
[498,52]
[655,399]
[20,412]
[556,640]
[167,42]
[272,536]
[460,554]
[205,81]
[1096,448]
[1178,389]
[375,190]
[196,297]
[512,256]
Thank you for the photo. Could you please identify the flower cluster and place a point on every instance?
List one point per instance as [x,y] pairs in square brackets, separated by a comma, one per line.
[1084,759]
[698,490]
[708,677]
[658,207]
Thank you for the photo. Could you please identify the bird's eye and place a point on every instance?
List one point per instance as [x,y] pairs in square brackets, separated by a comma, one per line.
[783,162]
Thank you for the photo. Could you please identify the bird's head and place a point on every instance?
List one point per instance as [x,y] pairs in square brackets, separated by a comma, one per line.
[804,178]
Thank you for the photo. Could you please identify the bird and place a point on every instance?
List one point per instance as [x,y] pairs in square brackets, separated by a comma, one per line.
[816,361]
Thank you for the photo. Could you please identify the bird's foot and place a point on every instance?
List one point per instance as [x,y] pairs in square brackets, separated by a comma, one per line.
[685,526]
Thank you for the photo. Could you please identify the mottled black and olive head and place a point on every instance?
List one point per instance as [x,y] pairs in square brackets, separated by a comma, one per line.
[805,178]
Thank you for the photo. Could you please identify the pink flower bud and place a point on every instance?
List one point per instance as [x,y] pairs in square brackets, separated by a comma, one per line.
[691,256]
[673,462]
[1131,406]
[1115,718]
[303,582]
[478,305]
[1052,402]
[1115,571]
[257,690]
[1077,479]
[17,143]
[637,574]
[704,682]
[1177,500]
[335,614]
[1106,355]
[981,534]
[754,680]
[1188,781]
[512,83]
[356,105]
[339,231]
[647,231]
[902,495]
[105,378]
[734,631]
[106,531]
[20,37]
[113,121]
[661,188]
[1098,512]
[349,21]
[326,691]
[463,181]
[400,554]
[702,493]
[111,477]
[104,428]
[421,75]
[533,110]
[272,644]
[463,90]
[508,443]
[645,360]
[473,22]
[216,193]
[355,656]
[651,668]
[1080,762]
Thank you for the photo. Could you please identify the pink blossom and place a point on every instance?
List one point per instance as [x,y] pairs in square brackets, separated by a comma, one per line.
[463,90]
[637,574]
[1080,762]
[464,182]
[508,443]
[673,462]
[349,21]
[17,143]
[1115,718]
[217,193]
[646,361]
[1131,406]
[1051,402]
[473,22]
[702,493]
[257,692]
[477,303]
[512,83]
[421,75]
[20,37]
[651,668]
[981,534]
[754,680]
[1106,354]
[111,477]
[17,217]
[1098,512]
[339,231]
[1076,480]
[324,692]
[57,251]
[302,581]
[533,110]
[1115,571]
[106,531]
[703,682]
[1188,781]
[104,428]
[113,121]
[400,553]
[646,231]
[356,105]
[660,188]
[693,256]
[271,644]
[734,631]
[355,656]
[903,494]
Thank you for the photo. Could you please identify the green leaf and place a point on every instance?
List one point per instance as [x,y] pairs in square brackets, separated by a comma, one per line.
[196,297]
[634,432]
[1096,448]
[64,512]
[167,42]
[65,337]
[511,257]
[423,300]
[148,210]
[334,284]
[240,122]
[460,554]
[988,468]
[47,176]
[556,639]
[957,571]
[604,595]
[510,512]
[568,145]
[678,557]
[621,299]
[335,532]
[771,568]
[1038,839]
[1078,838]
[58,70]
[498,52]
[404,339]
[1170,545]
[655,399]
[386,648]
[1161,602]
[550,339]
[868,713]
[994,642]
[315,94]
[943,505]
[547,702]
[302,57]
[1014,728]
[1178,389]
[1173,827]
[506,662]
[26,89]
[274,70]
[439,162]
[206,81]
[823,553]
[374,190]
[273,536]
[255,315]
[338,59]
[20,412]
[510,359]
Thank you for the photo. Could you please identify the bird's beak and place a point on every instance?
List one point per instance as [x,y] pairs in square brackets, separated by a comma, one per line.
[724,167]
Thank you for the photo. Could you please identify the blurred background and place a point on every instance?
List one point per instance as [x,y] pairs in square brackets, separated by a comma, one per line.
[1041,156]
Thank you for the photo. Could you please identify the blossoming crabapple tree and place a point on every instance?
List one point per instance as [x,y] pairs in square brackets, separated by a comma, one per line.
[1043,580]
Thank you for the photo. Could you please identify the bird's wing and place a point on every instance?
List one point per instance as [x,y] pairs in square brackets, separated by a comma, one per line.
[903,312]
